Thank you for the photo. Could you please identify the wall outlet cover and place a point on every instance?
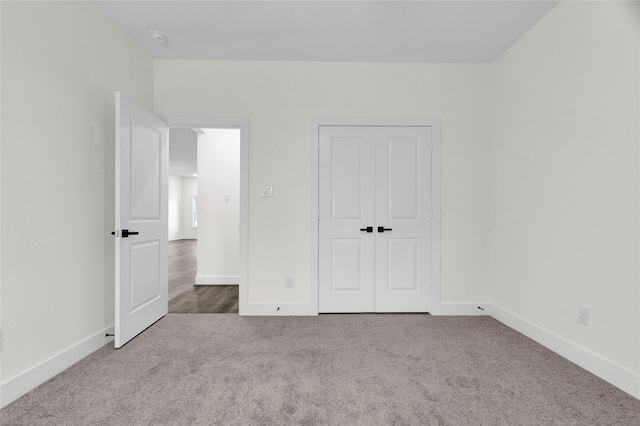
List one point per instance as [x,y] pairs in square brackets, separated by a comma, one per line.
[583,315]
[267,191]
[288,282]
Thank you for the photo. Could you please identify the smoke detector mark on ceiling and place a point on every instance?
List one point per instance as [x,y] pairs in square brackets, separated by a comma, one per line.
[158,36]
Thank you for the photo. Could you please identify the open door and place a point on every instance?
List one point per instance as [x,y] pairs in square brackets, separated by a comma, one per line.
[141,220]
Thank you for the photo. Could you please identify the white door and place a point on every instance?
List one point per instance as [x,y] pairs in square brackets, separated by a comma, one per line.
[378,177]
[347,209]
[403,214]
[141,220]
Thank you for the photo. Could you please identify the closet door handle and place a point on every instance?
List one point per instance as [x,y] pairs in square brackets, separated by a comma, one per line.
[382,229]
[368,229]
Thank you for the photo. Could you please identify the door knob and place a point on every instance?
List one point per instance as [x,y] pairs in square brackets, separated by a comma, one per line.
[382,229]
[368,229]
[126,233]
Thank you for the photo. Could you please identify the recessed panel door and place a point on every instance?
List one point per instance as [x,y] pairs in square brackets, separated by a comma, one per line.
[375,219]
[347,210]
[141,220]
[403,219]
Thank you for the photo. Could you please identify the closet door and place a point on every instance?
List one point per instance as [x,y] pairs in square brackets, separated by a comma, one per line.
[375,219]
[403,219]
[347,210]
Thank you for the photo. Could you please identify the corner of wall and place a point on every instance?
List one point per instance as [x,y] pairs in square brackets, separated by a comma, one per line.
[75,108]
[22,383]
[569,83]
[610,372]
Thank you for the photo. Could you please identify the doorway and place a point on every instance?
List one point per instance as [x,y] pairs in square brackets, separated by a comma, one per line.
[204,216]
[213,285]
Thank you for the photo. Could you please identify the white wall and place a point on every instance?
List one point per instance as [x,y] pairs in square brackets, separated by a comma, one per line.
[188,191]
[280,97]
[181,192]
[175,207]
[552,188]
[61,64]
[564,180]
[219,220]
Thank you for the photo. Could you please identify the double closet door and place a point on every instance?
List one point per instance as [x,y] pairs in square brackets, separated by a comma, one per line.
[375,219]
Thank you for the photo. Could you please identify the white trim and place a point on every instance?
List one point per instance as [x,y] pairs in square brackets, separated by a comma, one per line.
[374,121]
[19,385]
[270,309]
[314,212]
[217,280]
[241,123]
[459,309]
[606,370]
[314,135]
[436,159]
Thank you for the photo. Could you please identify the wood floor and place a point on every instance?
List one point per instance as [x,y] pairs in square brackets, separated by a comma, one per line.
[184,296]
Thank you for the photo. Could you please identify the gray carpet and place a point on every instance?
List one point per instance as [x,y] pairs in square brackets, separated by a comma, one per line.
[209,369]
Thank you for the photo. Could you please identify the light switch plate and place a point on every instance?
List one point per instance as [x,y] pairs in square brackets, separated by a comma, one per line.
[267,191]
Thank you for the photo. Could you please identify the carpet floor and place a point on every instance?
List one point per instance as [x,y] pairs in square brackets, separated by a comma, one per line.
[222,369]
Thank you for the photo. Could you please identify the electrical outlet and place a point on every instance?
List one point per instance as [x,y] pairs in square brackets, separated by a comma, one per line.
[583,315]
[288,282]
[267,191]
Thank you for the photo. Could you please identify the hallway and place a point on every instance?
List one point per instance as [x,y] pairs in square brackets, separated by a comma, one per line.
[184,296]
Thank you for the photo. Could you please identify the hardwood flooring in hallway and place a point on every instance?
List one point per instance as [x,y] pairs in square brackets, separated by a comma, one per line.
[184,296]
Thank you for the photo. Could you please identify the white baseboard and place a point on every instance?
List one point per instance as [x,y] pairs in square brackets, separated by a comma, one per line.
[178,238]
[458,309]
[453,309]
[19,385]
[606,370]
[278,309]
[217,280]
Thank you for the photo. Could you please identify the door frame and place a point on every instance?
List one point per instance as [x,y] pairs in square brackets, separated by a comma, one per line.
[314,202]
[241,123]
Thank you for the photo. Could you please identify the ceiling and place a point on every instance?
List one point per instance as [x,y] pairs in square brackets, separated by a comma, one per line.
[453,31]
[476,31]
[183,152]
